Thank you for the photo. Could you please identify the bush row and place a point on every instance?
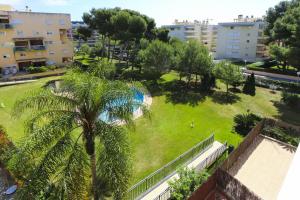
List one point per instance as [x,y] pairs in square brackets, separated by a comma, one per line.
[33,69]
[280,85]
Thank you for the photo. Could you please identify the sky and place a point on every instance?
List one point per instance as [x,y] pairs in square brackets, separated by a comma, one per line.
[163,11]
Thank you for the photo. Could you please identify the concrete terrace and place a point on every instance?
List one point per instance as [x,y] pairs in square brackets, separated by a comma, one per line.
[263,166]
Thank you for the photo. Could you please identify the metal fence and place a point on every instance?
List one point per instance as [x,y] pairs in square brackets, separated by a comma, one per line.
[168,169]
[204,164]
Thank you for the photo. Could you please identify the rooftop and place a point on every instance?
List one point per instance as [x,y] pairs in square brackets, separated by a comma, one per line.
[265,163]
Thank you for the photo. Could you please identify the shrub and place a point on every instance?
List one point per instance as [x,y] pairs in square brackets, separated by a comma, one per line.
[32,69]
[290,99]
[249,87]
[6,146]
[245,122]
[51,67]
[189,180]
[282,134]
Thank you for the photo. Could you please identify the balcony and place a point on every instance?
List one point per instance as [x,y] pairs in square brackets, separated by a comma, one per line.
[5,26]
[38,47]
[31,48]
[21,48]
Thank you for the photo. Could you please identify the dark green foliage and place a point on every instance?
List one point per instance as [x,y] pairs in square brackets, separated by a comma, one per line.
[243,123]
[290,99]
[163,35]
[189,180]
[249,86]
[208,82]
[286,135]
[229,74]
[156,59]
[83,33]
[283,25]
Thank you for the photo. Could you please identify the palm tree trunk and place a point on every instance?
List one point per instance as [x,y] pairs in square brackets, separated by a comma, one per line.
[94,176]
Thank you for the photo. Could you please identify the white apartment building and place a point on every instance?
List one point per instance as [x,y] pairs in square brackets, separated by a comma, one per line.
[242,40]
[201,31]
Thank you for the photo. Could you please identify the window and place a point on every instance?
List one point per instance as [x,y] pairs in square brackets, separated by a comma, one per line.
[22,54]
[172,29]
[19,33]
[65,51]
[62,22]
[246,55]
[248,41]
[49,33]
[48,22]
[261,26]
[2,33]
[35,33]
[16,21]
[51,52]
[248,34]
[231,27]
[48,42]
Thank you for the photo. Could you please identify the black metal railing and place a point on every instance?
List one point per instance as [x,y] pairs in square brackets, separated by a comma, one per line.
[168,169]
[38,47]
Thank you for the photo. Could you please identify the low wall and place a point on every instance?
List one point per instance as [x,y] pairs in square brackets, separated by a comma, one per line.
[232,158]
[206,188]
[234,188]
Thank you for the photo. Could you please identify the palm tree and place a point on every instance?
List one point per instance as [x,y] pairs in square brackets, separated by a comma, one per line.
[69,152]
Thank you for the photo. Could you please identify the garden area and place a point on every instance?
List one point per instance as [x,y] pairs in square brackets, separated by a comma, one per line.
[168,132]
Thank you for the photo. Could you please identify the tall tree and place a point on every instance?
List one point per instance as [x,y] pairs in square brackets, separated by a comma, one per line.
[163,34]
[157,58]
[82,33]
[228,73]
[195,59]
[283,32]
[249,86]
[69,152]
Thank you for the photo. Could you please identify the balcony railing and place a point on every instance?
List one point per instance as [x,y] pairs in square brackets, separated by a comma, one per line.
[20,48]
[32,47]
[5,26]
[38,47]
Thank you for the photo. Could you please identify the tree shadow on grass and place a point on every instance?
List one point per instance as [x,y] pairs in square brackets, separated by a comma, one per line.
[287,114]
[221,97]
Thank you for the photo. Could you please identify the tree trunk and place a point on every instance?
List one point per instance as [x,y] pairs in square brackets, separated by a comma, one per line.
[94,176]
[108,50]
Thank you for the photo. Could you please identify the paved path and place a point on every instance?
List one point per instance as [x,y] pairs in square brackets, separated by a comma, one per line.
[194,164]
[272,75]
[15,82]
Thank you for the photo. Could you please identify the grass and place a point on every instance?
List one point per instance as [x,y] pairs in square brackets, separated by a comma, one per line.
[168,133]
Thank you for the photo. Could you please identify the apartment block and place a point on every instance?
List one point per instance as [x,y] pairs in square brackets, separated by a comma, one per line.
[243,39]
[196,30]
[90,41]
[33,39]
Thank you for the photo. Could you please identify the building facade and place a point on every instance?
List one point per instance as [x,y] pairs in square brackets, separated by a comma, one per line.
[242,40]
[34,39]
[200,31]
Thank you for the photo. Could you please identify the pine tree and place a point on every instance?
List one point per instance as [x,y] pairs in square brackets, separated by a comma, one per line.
[249,87]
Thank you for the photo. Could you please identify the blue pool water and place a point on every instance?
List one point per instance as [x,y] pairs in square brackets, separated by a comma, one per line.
[138,98]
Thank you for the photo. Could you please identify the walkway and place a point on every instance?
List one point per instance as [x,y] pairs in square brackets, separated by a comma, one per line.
[197,164]
[274,76]
[15,82]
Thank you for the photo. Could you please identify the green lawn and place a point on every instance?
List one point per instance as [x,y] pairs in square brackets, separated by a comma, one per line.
[168,134]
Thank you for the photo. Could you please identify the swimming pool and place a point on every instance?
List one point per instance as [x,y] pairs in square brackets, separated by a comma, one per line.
[139,98]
